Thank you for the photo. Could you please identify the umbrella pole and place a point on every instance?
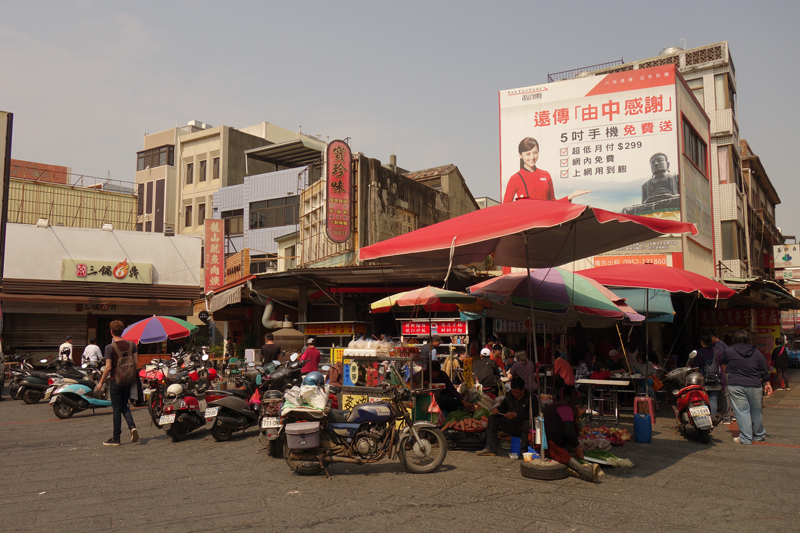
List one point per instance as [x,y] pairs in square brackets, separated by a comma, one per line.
[532,337]
[646,326]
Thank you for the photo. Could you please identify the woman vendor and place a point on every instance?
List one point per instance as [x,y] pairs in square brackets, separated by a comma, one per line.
[561,428]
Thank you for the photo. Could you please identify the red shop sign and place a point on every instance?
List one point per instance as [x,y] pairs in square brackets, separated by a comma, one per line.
[455,327]
[338,200]
[214,254]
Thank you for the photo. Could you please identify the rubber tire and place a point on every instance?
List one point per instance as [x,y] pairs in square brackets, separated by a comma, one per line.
[436,432]
[219,433]
[299,468]
[155,412]
[26,397]
[13,389]
[543,472]
[177,432]
[704,435]
[276,448]
[63,411]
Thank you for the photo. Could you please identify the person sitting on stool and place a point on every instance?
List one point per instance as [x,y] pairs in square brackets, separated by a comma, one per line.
[449,399]
[512,416]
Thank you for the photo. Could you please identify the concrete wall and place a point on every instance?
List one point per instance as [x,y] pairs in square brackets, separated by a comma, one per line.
[36,253]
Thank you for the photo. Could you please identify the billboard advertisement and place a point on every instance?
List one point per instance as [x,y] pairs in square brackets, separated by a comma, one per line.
[608,141]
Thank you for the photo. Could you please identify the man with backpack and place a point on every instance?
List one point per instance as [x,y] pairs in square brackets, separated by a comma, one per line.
[122,374]
[708,363]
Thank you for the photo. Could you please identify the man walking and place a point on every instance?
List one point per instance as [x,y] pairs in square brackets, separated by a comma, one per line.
[747,373]
[65,351]
[119,393]
[724,400]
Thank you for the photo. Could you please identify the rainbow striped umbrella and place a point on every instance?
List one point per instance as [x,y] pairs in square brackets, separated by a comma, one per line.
[158,329]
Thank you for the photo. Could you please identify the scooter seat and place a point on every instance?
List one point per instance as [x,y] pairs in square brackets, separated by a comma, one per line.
[338,416]
[87,383]
[239,392]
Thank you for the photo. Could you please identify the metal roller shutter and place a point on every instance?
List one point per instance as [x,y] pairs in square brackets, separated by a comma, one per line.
[34,331]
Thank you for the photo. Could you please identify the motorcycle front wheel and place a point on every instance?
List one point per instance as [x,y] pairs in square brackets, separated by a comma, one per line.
[155,405]
[62,410]
[13,390]
[427,454]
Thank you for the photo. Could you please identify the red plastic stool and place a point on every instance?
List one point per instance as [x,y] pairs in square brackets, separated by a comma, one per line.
[649,401]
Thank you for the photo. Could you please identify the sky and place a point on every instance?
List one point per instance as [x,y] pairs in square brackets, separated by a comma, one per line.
[86,80]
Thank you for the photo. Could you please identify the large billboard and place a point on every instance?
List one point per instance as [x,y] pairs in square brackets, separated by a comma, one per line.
[608,141]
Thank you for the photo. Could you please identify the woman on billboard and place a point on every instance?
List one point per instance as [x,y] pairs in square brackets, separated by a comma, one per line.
[532,182]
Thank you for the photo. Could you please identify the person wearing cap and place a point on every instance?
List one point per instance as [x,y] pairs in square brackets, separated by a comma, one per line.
[311,357]
[615,360]
[486,372]
[428,350]
[65,351]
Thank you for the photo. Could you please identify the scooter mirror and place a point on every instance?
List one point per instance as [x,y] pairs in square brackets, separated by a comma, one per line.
[325,368]
[293,357]
[692,354]
[205,357]
[258,379]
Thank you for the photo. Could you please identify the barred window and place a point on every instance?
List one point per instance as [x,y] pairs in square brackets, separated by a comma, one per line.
[155,157]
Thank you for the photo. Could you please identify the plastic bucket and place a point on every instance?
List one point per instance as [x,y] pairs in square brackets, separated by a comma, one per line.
[516,443]
[642,428]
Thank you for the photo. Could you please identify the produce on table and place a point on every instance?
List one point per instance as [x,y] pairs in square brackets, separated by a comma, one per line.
[608,457]
[594,444]
[615,436]
[481,413]
[464,421]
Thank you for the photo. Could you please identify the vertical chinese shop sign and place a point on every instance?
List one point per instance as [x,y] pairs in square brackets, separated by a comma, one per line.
[338,200]
[214,255]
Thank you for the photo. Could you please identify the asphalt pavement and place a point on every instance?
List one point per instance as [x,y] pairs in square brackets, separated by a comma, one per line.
[57,476]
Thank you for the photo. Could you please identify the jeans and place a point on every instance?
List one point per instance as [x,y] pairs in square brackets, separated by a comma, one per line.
[713,399]
[727,410]
[746,402]
[119,403]
[515,427]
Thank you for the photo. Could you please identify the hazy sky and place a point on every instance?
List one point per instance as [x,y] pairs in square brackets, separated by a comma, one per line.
[85,80]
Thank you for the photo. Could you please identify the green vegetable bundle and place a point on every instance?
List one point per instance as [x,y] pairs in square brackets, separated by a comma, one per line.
[608,457]
[481,412]
[457,416]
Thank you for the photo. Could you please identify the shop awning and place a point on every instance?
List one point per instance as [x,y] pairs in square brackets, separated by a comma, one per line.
[225,298]
[48,298]
[657,309]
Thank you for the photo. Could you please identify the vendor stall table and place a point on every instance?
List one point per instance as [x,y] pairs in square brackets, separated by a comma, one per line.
[613,386]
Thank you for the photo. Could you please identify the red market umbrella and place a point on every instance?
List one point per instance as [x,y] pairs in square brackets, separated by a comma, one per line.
[649,276]
[158,329]
[524,233]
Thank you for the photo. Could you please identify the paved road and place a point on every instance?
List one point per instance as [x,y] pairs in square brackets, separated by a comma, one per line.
[58,477]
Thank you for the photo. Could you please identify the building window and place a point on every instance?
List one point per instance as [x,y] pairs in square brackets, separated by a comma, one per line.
[234,222]
[187,222]
[155,157]
[729,168]
[723,93]
[215,169]
[189,173]
[696,85]
[274,213]
[201,214]
[693,147]
[263,263]
[202,176]
[733,241]
[289,257]
[149,198]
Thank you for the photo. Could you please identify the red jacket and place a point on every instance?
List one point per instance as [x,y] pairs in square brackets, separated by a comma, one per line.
[536,185]
[311,356]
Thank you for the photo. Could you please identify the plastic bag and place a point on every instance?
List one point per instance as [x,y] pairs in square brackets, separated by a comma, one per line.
[294,396]
[313,396]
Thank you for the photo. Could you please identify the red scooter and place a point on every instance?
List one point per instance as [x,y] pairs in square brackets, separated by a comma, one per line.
[689,401]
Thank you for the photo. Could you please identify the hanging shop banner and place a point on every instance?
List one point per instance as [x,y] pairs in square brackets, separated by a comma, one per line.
[237,266]
[338,199]
[454,327]
[726,321]
[786,256]
[335,328]
[106,271]
[214,254]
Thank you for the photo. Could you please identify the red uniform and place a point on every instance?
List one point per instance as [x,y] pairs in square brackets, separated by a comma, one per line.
[536,185]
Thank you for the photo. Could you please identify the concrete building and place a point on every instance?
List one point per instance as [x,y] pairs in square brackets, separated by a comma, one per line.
[62,281]
[485,201]
[760,232]
[710,74]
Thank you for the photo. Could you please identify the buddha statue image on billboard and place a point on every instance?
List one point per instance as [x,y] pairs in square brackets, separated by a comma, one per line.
[661,193]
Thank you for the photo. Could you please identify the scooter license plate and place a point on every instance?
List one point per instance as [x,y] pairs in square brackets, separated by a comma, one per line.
[699,411]
[48,392]
[701,416]
[270,423]
[53,399]
[166,419]
[211,412]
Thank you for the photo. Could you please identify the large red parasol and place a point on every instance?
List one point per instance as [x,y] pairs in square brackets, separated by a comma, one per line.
[650,276]
[524,233]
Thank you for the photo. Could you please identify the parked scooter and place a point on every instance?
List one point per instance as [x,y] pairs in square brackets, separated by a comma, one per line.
[31,385]
[689,401]
[73,397]
[240,410]
[367,434]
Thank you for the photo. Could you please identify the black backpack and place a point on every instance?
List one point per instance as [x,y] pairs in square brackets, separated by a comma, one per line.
[125,373]
[711,371]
